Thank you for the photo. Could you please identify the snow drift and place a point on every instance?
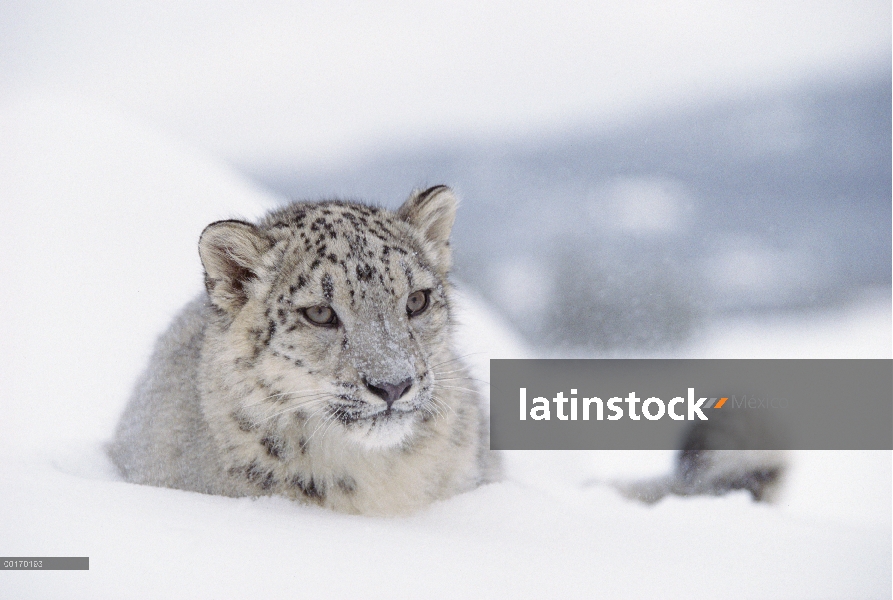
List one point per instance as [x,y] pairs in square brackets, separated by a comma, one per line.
[101,221]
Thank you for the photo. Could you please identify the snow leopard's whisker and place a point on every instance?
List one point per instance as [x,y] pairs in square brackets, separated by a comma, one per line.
[433,408]
[292,393]
[455,387]
[450,372]
[432,367]
[459,378]
[312,415]
[329,418]
[280,394]
[296,406]
[440,403]
[292,408]
[315,413]
[453,375]
[329,427]
[277,414]
[438,406]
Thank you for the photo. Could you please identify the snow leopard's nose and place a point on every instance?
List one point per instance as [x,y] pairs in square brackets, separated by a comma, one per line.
[389,392]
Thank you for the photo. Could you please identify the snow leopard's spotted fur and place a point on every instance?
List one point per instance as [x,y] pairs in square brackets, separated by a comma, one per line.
[371,412]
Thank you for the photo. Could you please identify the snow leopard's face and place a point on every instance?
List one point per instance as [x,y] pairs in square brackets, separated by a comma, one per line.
[343,311]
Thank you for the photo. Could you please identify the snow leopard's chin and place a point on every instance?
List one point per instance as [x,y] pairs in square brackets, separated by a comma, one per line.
[381,427]
[387,429]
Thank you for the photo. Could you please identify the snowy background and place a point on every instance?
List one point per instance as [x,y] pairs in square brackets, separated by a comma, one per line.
[643,127]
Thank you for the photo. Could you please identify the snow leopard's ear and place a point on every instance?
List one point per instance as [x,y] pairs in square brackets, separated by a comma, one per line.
[433,212]
[231,252]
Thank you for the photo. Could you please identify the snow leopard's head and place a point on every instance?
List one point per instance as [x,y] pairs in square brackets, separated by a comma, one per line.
[335,315]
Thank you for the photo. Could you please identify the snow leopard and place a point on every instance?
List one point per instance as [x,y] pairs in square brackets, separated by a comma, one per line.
[318,365]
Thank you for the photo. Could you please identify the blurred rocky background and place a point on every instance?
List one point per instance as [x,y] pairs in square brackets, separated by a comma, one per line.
[627,238]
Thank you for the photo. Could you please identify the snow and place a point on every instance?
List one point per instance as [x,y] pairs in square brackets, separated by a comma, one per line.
[101,219]
[864,329]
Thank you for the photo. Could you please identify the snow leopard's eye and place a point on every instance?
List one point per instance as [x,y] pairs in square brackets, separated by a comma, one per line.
[417,302]
[323,316]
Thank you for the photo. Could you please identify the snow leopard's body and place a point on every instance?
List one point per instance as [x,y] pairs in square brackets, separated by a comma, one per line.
[318,366]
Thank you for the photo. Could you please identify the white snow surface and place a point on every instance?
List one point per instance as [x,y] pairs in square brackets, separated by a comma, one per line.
[101,219]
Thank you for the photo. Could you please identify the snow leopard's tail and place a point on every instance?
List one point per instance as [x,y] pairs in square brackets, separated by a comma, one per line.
[719,456]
